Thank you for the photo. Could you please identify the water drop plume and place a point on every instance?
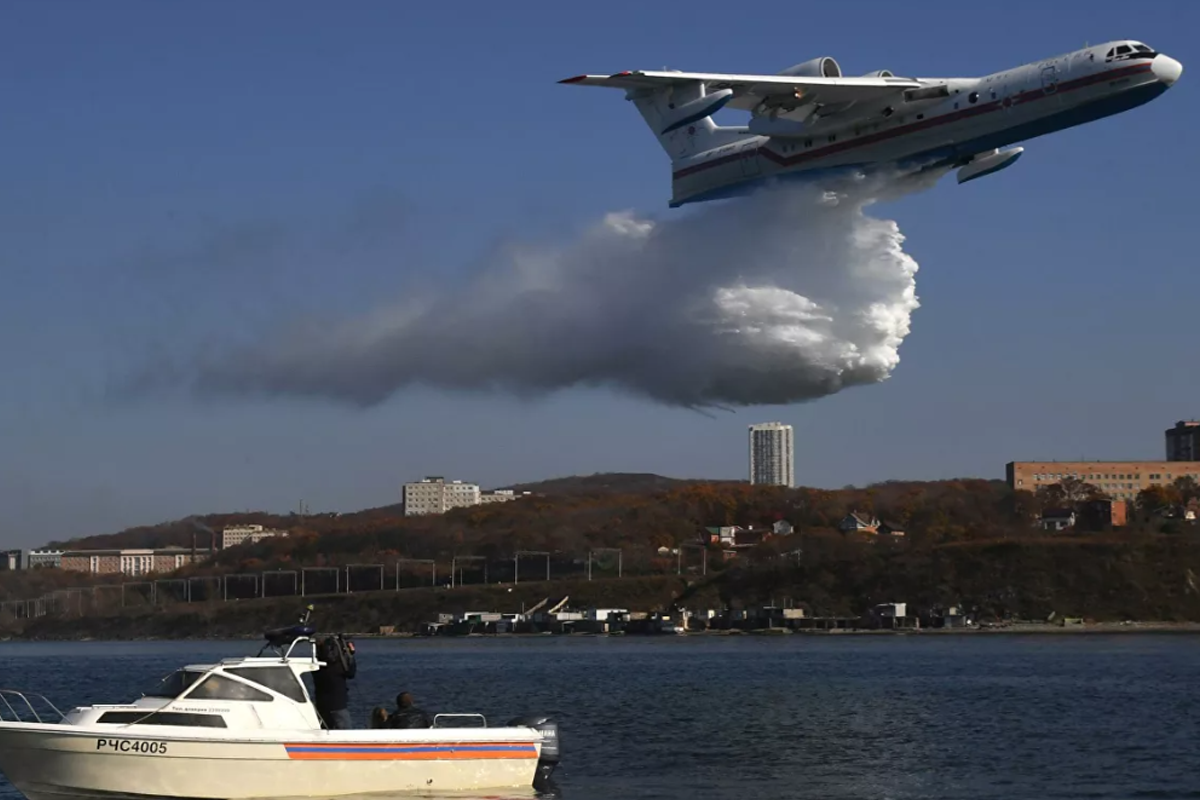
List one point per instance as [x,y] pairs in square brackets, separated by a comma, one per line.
[789,295]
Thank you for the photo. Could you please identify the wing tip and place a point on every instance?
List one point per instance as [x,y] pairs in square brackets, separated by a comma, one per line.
[581,78]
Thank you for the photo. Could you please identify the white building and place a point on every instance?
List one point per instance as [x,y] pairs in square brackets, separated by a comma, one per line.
[434,495]
[240,534]
[500,496]
[772,458]
[43,558]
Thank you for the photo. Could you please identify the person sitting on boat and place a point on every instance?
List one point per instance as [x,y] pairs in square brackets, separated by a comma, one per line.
[407,715]
[331,695]
[379,717]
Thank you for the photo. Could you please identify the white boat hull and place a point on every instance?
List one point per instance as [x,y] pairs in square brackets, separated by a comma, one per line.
[63,762]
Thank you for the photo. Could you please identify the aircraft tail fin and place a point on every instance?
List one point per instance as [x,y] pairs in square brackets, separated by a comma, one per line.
[680,117]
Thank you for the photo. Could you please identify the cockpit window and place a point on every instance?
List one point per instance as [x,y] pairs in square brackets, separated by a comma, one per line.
[218,687]
[175,684]
[278,679]
[1132,50]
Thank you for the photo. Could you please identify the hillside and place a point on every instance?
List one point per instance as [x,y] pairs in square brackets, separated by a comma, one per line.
[608,483]
[967,541]
[1106,579]
[180,533]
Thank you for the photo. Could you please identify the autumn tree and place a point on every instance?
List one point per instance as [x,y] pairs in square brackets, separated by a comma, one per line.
[1156,497]
[1187,488]
[1076,491]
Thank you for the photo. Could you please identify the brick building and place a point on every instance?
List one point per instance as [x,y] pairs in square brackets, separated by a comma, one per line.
[1120,480]
[130,562]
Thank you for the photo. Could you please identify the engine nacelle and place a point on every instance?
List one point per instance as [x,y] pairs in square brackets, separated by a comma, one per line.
[823,67]
[880,73]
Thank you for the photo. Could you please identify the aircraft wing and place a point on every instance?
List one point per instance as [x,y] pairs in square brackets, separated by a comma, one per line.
[750,91]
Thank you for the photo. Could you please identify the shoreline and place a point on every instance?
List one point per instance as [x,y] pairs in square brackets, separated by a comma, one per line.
[1014,629]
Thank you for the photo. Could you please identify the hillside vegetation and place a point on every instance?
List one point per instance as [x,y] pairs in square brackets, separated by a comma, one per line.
[969,542]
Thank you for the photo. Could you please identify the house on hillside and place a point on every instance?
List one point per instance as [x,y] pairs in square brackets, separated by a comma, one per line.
[736,535]
[857,522]
[782,528]
[724,534]
[1058,519]
[893,529]
[1184,513]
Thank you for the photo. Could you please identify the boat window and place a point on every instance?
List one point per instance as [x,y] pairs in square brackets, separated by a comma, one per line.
[163,718]
[277,679]
[175,684]
[218,687]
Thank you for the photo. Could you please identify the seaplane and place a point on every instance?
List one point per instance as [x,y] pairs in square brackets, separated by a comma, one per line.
[811,120]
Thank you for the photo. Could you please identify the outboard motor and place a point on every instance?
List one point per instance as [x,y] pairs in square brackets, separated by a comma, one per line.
[547,726]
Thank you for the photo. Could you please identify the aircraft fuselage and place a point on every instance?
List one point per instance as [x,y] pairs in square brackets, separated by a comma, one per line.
[975,117]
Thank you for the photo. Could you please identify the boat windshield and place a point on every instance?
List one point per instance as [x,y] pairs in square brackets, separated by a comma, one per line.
[175,684]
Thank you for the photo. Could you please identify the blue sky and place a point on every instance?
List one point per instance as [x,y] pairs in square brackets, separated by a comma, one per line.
[178,174]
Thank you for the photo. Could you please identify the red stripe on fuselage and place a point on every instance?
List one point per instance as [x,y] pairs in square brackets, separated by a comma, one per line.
[955,116]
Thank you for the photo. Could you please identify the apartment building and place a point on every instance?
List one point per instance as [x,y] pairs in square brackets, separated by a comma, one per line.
[1183,441]
[234,535]
[772,457]
[1120,480]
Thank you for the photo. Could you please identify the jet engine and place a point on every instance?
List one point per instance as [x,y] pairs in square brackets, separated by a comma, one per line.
[880,73]
[823,67]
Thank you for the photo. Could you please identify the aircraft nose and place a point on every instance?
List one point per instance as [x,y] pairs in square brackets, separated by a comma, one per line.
[1166,69]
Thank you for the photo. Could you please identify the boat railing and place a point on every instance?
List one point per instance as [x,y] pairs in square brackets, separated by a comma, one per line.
[20,706]
[438,717]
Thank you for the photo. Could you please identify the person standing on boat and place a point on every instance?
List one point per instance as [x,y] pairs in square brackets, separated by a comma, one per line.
[331,694]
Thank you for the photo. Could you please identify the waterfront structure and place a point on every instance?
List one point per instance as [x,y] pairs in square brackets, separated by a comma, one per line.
[1183,441]
[772,458]
[234,535]
[1120,480]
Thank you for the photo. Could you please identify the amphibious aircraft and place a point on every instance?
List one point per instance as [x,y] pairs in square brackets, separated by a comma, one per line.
[811,119]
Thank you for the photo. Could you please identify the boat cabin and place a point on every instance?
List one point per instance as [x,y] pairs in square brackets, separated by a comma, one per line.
[261,693]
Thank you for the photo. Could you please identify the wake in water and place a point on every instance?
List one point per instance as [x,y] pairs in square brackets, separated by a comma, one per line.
[788,295]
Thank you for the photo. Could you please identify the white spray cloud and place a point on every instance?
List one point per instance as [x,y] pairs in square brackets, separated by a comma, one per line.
[786,296]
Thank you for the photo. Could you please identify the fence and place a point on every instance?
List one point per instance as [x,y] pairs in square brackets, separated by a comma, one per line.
[392,575]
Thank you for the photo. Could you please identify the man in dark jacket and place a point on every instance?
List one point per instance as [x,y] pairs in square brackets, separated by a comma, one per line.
[331,695]
[407,715]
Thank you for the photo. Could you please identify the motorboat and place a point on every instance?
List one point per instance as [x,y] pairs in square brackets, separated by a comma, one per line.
[246,728]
